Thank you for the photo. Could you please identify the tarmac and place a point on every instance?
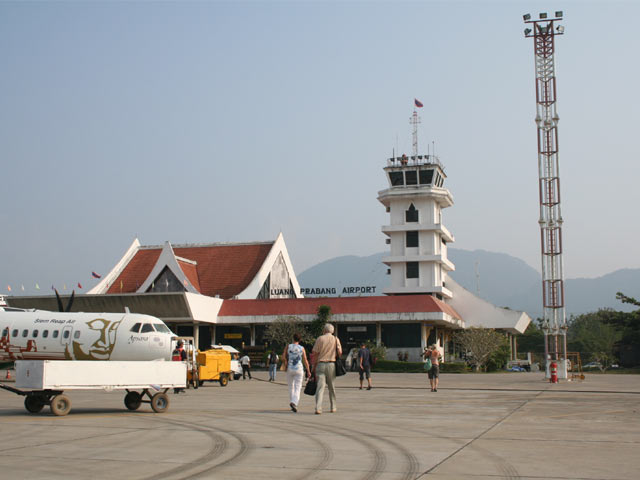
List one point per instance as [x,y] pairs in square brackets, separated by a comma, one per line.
[476,426]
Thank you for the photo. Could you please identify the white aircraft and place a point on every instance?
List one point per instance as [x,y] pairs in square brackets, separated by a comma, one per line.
[45,335]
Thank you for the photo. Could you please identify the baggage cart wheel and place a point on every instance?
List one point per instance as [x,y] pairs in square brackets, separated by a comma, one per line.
[34,403]
[196,380]
[132,400]
[224,379]
[159,402]
[60,405]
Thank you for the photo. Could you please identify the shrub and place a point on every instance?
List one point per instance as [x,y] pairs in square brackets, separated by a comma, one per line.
[395,366]
[455,367]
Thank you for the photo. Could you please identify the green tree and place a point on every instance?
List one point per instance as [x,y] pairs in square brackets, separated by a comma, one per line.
[378,352]
[594,337]
[479,343]
[322,317]
[280,332]
[532,340]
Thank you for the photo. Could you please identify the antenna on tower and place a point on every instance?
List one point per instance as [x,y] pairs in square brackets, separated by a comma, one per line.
[415,120]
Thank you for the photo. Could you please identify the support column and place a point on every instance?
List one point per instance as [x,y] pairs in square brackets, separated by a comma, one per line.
[510,346]
[252,329]
[196,335]
[378,334]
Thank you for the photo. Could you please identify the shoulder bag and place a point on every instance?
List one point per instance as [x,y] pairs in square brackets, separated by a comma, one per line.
[311,386]
[427,364]
[340,368]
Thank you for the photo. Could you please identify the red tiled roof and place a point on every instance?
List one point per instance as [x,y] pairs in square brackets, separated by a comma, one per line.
[191,272]
[224,270]
[136,271]
[339,305]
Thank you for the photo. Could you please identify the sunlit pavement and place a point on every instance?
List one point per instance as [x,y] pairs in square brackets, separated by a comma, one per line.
[507,425]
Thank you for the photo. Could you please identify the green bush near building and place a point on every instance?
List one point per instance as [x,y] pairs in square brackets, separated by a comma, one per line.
[396,366]
[417,367]
[454,367]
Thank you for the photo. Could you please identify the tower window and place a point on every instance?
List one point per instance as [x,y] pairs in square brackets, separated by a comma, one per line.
[413,270]
[396,178]
[411,176]
[426,176]
[411,215]
[412,239]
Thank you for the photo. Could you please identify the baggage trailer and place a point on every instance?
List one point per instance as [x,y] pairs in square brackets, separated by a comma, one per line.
[44,382]
[214,366]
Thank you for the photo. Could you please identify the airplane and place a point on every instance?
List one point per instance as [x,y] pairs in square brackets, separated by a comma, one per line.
[47,335]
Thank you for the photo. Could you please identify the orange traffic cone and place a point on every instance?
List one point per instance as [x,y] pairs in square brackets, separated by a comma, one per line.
[8,377]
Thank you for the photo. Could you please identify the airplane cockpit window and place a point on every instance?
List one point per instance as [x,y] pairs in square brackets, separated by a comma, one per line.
[5,332]
[35,334]
[14,333]
[65,334]
[45,333]
[55,334]
[76,334]
[161,327]
[136,328]
[25,333]
[147,327]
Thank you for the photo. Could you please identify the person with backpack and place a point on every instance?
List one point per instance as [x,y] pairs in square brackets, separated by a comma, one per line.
[272,361]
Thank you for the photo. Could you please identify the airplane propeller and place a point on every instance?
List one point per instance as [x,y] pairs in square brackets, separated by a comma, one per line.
[60,307]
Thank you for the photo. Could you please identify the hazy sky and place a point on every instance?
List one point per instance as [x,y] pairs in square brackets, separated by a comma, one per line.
[231,121]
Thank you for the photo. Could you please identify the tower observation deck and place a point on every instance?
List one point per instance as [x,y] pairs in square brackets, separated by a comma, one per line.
[417,236]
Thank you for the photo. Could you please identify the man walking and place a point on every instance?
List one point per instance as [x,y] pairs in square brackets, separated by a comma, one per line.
[324,356]
[245,362]
[364,364]
[434,372]
[179,355]
[273,365]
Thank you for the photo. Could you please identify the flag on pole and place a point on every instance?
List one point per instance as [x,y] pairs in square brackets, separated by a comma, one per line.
[9,287]
[37,287]
[95,275]
[418,103]
[64,286]
[79,286]
[22,287]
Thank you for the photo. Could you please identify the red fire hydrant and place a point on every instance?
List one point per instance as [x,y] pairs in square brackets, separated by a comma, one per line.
[553,368]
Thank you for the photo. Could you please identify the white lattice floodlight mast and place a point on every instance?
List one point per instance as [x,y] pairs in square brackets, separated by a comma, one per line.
[543,32]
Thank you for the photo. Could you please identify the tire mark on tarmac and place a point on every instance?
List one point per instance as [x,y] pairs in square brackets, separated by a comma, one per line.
[411,463]
[380,459]
[481,434]
[203,467]
[325,449]
[218,447]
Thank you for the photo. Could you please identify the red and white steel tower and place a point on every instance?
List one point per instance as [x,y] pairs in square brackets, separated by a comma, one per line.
[543,32]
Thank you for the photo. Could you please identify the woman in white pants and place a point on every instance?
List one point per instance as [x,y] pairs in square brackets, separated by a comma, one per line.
[294,358]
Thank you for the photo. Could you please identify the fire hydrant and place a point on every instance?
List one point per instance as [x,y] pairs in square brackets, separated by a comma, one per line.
[553,369]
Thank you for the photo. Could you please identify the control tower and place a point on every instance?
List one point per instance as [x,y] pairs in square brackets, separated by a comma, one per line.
[417,236]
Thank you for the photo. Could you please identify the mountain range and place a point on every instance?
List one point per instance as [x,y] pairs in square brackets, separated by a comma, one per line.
[499,278]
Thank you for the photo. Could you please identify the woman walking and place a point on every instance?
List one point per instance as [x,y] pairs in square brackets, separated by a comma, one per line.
[294,357]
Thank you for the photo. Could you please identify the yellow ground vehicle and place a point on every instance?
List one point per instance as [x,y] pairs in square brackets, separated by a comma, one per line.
[214,365]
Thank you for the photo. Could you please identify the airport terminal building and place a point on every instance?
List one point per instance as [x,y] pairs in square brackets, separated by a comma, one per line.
[227,293]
